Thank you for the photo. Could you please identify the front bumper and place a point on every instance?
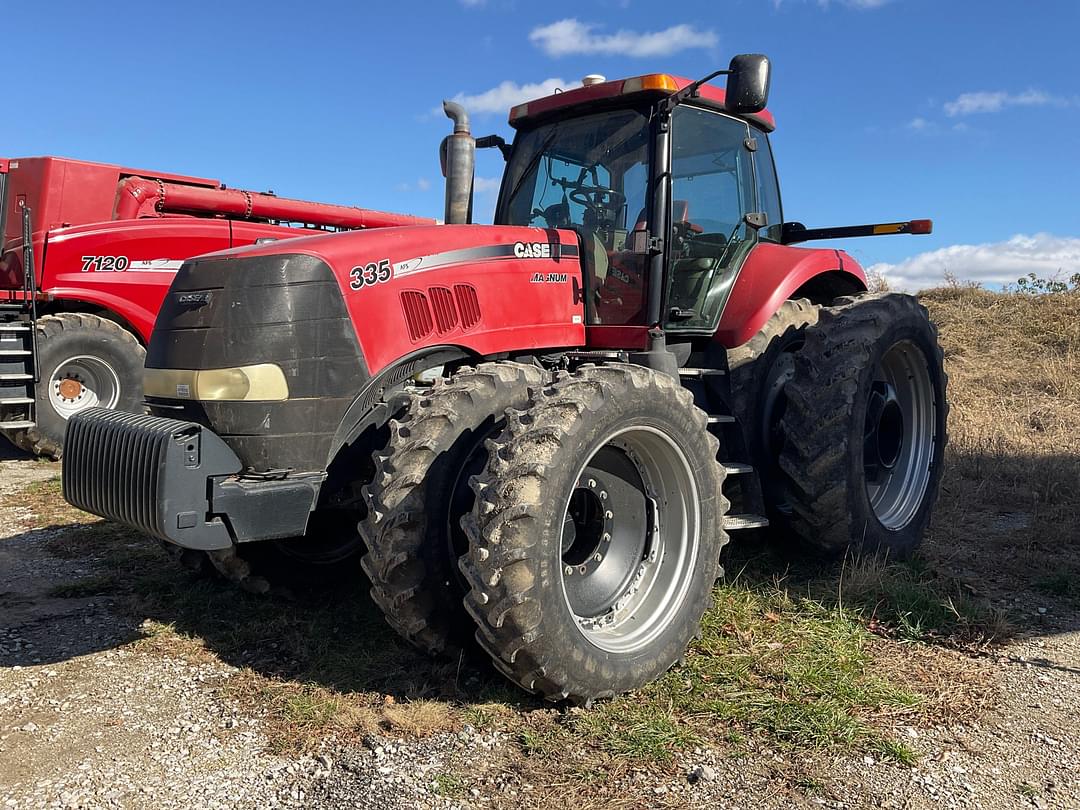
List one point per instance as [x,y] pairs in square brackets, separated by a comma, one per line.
[177,481]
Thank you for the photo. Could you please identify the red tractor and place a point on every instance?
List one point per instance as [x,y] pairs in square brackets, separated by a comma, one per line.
[108,241]
[544,428]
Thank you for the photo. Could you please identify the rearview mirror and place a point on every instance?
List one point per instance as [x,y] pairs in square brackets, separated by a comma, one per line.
[748,83]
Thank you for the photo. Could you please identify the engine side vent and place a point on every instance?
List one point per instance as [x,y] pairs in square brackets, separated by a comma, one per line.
[442,301]
[417,314]
[468,305]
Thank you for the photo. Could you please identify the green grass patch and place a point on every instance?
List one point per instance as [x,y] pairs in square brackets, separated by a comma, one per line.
[914,601]
[1064,584]
[792,667]
[88,586]
[449,786]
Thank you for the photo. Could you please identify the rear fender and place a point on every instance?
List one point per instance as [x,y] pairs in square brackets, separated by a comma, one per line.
[774,273]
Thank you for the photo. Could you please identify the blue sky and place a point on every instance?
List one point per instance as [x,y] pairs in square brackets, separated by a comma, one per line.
[964,111]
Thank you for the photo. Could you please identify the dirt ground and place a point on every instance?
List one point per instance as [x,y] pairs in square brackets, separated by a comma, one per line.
[91,716]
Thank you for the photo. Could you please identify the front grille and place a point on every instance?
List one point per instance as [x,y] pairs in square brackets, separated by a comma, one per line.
[148,473]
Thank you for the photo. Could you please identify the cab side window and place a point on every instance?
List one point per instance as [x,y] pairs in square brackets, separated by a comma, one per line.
[712,189]
[768,189]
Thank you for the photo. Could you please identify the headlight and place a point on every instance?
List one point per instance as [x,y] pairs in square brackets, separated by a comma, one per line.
[264,382]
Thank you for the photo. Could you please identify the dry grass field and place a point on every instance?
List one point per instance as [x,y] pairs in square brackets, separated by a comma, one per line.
[866,682]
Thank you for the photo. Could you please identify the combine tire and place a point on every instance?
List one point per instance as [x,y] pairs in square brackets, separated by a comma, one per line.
[419,493]
[864,426]
[759,371]
[596,533]
[83,362]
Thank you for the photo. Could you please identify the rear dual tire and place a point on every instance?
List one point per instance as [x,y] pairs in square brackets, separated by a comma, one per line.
[865,427]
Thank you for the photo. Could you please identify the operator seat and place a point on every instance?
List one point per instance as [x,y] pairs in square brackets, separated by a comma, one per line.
[692,271]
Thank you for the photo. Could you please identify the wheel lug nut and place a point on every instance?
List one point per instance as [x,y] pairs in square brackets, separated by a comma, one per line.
[607,537]
[568,571]
[582,569]
[609,514]
[592,483]
[603,495]
[598,557]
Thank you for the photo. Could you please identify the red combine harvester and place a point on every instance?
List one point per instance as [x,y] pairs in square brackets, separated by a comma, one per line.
[544,428]
[103,243]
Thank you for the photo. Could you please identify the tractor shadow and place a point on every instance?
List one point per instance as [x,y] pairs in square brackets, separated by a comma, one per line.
[1001,558]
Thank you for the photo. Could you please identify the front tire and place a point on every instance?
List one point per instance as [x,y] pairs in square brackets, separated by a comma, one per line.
[420,492]
[865,426]
[84,361]
[595,539]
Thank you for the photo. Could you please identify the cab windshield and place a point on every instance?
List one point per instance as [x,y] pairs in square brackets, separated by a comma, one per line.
[590,174]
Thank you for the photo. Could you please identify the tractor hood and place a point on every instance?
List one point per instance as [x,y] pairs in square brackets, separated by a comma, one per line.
[487,288]
[271,345]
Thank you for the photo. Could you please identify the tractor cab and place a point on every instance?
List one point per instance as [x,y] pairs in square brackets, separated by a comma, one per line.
[667,185]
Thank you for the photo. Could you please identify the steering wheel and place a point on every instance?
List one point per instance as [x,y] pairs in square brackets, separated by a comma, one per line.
[598,199]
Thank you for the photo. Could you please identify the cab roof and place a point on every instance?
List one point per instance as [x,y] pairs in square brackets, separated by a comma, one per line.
[651,84]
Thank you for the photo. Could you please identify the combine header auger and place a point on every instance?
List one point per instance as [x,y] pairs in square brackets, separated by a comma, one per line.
[546,428]
[86,257]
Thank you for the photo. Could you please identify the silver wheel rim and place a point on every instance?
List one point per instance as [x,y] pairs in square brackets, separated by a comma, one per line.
[83,382]
[653,588]
[899,435]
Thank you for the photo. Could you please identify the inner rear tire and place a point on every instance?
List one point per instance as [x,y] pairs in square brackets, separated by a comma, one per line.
[759,371]
[595,539]
[865,426]
[419,493]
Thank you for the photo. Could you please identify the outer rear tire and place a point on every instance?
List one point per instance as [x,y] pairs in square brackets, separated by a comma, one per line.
[420,492]
[70,342]
[593,432]
[865,426]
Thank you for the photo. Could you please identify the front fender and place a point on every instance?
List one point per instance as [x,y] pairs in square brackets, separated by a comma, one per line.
[139,317]
[771,275]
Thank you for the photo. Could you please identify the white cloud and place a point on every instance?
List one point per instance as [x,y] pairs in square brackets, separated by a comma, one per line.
[571,36]
[989,102]
[859,5]
[486,185]
[501,98]
[421,184]
[1044,254]
[919,125]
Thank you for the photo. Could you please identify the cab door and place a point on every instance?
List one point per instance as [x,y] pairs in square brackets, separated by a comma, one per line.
[712,190]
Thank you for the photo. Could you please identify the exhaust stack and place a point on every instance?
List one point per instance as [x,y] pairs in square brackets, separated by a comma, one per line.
[457,154]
